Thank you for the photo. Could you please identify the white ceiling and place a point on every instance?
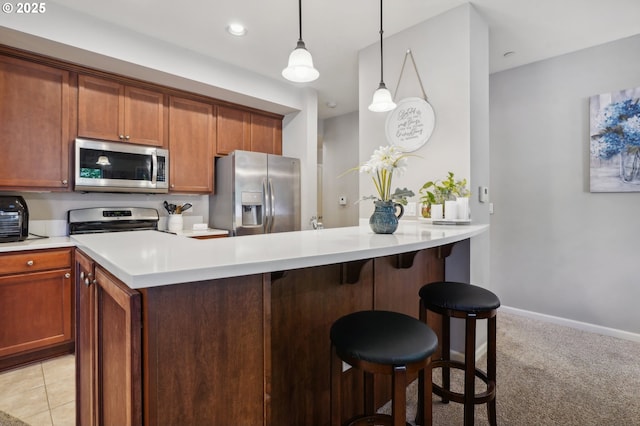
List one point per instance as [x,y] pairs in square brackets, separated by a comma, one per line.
[335,30]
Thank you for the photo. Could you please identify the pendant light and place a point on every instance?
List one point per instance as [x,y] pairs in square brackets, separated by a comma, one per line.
[300,68]
[382,99]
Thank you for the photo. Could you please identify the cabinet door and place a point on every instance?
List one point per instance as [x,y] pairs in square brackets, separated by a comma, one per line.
[191,145]
[143,116]
[233,130]
[112,111]
[118,352]
[35,311]
[266,134]
[85,341]
[35,111]
[100,108]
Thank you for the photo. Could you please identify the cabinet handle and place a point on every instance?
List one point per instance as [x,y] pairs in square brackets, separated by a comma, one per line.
[127,137]
[121,137]
[65,182]
[82,275]
[67,275]
[29,262]
[87,282]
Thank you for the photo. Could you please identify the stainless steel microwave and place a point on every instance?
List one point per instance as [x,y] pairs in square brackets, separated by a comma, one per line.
[105,166]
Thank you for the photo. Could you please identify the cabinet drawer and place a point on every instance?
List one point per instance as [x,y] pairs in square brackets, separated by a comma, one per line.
[37,260]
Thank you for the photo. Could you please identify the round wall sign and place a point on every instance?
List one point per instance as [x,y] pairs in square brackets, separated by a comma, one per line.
[410,124]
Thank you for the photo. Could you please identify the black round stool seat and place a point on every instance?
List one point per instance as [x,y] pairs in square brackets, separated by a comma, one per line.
[459,297]
[380,342]
[383,337]
[471,303]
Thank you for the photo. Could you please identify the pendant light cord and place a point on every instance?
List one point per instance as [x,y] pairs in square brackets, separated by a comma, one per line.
[381,53]
[300,19]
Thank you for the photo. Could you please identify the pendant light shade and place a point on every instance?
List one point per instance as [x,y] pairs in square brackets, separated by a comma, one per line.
[300,68]
[382,99]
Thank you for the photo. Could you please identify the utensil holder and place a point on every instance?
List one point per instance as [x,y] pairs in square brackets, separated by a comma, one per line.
[174,223]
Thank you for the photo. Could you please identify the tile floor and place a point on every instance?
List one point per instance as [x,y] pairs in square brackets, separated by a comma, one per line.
[41,394]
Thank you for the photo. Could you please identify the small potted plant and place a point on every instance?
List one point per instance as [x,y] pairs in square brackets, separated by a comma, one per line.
[439,191]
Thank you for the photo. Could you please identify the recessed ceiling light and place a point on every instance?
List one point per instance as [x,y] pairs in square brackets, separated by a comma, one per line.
[236,29]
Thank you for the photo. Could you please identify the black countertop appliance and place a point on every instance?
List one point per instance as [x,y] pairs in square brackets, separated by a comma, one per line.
[14,219]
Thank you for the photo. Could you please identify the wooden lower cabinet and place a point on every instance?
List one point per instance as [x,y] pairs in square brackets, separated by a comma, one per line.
[86,376]
[249,350]
[36,306]
[108,355]
[200,358]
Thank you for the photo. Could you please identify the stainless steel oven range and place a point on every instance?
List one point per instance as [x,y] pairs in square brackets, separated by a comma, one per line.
[111,219]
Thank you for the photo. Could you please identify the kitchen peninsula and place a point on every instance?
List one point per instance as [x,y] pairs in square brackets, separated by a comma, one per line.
[174,330]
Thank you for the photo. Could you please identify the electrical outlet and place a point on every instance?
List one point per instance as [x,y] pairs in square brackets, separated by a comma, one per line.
[410,209]
[342,200]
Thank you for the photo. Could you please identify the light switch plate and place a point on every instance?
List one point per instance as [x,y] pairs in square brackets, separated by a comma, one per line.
[483,192]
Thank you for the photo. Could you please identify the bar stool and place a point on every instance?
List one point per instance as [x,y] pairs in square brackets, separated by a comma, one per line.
[381,342]
[461,300]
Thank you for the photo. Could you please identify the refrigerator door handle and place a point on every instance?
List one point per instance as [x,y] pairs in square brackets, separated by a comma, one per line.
[266,209]
[272,206]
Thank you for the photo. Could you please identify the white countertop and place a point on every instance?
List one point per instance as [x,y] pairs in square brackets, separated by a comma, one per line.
[32,243]
[149,258]
[194,233]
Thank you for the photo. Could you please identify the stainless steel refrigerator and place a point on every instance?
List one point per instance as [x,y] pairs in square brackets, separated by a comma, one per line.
[255,193]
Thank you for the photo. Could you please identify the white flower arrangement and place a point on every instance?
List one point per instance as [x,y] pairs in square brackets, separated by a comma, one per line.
[384,162]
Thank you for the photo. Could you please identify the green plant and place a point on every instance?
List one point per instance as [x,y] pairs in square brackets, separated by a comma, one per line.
[437,192]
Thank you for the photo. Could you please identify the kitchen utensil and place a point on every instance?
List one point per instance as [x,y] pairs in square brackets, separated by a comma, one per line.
[170,208]
[186,206]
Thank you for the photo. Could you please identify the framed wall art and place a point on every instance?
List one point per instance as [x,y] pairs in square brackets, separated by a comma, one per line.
[615,141]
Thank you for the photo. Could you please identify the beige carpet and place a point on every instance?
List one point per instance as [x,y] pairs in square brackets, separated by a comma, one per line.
[556,376]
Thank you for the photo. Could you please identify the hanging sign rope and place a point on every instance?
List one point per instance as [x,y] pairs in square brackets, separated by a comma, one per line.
[411,123]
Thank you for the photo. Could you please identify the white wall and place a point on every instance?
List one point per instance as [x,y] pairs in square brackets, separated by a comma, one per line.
[340,153]
[300,140]
[556,248]
[455,76]
[445,72]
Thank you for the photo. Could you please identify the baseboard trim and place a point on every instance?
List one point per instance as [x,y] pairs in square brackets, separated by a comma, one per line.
[592,328]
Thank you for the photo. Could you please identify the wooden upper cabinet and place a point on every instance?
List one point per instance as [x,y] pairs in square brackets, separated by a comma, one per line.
[191,143]
[233,130]
[266,134]
[110,110]
[35,113]
[249,131]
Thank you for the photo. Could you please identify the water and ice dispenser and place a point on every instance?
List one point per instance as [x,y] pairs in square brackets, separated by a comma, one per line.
[251,208]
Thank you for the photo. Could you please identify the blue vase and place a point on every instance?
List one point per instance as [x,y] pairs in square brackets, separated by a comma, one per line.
[384,219]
